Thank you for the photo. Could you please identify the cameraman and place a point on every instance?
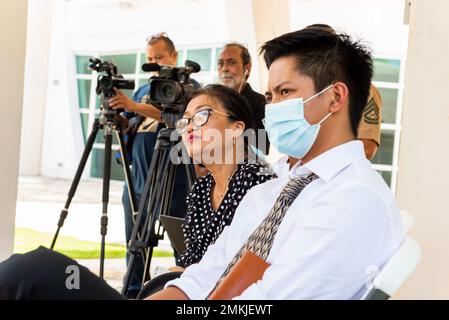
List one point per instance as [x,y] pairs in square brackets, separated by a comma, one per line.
[144,124]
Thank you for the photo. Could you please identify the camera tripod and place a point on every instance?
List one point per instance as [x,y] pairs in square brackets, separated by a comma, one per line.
[110,123]
[156,198]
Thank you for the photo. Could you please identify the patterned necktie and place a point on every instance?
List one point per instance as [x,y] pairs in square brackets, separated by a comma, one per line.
[261,240]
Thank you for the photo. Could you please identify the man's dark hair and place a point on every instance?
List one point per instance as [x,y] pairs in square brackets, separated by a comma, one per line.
[244,53]
[168,43]
[326,58]
[320,26]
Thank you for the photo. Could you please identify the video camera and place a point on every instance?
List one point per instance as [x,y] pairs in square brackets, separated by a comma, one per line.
[169,87]
[106,83]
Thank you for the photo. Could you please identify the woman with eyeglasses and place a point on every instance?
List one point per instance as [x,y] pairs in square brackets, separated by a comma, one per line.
[212,129]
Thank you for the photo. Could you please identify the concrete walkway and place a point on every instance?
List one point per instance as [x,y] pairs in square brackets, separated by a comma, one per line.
[39,203]
[41,199]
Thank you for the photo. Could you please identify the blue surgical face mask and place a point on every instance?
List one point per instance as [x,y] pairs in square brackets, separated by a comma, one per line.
[288,130]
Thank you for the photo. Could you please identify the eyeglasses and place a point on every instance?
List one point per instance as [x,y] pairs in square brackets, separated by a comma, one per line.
[199,119]
[157,36]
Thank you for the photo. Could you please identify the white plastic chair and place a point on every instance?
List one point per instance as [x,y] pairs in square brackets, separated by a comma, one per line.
[407,221]
[398,268]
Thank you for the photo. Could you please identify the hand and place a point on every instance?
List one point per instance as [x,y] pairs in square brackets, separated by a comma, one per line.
[122,101]
[123,122]
[176,269]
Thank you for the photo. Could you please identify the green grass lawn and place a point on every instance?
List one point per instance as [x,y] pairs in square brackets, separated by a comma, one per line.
[26,240]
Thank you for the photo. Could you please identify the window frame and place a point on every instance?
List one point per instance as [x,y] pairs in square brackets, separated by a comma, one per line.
[396,127]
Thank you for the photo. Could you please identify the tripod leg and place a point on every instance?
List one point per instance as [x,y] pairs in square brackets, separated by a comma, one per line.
[105,197]
[76,179]
[168,187]
[137,246]
[128,179]
[165,186]
[191,174]
[127,172]
[160,180]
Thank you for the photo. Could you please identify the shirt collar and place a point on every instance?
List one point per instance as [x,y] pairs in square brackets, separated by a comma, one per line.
[331,162]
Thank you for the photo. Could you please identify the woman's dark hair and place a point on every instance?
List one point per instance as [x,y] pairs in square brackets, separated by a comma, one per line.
[234,103]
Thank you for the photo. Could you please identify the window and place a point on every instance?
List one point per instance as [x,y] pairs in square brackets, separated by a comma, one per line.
[388,78]
[89,105]
[202,57]
[129,65]
[206,58]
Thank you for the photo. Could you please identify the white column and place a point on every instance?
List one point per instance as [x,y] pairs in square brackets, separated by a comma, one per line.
[35,86]
[62,143]
[423,177]
[12,64]
[241,28]
[271,19]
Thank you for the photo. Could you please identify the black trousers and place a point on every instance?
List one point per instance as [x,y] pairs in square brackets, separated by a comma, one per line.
[44,274]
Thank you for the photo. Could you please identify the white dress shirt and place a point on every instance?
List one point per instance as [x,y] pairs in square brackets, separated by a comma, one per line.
[281,167]
[341,227]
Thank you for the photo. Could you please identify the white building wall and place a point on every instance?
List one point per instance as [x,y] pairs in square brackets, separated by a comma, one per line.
[12,65]
[378,22]
[62,142]
[34,93]
[423,185]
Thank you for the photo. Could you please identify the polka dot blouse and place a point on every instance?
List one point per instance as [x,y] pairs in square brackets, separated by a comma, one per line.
[203,224]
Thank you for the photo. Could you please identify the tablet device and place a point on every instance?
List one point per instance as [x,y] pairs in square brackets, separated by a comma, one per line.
[173,226]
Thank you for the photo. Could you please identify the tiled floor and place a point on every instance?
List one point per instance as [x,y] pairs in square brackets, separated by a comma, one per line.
[45,189]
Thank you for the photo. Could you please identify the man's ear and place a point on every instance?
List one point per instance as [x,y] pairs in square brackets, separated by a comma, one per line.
[340,96]
[247,70]
[175,56]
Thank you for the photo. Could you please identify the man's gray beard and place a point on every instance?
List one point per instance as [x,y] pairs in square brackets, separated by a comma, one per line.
[230,84]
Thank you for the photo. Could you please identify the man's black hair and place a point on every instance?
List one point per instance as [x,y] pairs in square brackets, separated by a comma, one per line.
[326,58]
[321,26]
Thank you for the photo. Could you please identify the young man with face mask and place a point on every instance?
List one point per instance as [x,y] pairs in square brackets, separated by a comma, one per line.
[368,132]
[369,128]
[322,227]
